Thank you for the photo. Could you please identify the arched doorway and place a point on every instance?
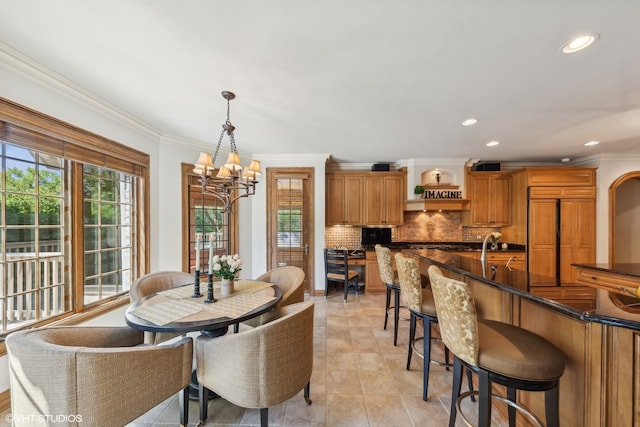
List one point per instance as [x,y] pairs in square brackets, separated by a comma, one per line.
[624,228]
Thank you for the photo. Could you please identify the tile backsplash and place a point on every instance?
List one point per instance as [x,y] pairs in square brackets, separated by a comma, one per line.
[417,227]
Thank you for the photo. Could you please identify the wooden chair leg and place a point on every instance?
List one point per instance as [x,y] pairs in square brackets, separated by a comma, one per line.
[511,395]
[203,400]
[264,417]
[386,308]
[426,351]
[551,406]
[455,390]
[307,393]
[412,336]
[396,314]
[183,399]
[484,399]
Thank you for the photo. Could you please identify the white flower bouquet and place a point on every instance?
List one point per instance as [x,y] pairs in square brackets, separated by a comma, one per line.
[226,266]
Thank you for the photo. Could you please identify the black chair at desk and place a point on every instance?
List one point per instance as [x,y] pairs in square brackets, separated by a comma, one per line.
[336,267]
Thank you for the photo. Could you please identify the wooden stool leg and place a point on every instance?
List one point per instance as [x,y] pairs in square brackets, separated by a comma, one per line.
[396,315]
[551,406]
[412,336]
[426,360]
[484,399]
[386,307]
[456,386]
[511,395]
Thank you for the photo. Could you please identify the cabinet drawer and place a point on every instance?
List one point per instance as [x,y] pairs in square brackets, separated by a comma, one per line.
[608,281]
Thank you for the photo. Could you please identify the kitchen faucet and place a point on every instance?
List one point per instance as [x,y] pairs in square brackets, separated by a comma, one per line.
[483,256]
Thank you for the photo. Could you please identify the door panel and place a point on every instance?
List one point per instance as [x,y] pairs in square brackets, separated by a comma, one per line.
[290,220]
[543,239]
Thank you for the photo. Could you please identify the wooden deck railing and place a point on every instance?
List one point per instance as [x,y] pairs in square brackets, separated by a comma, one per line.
[34,289]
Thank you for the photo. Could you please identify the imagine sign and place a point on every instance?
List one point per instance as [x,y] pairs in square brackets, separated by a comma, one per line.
[442,194]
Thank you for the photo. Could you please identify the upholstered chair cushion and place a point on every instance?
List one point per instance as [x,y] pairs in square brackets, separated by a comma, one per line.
[159,281]
[385,265]
[427,304]
[515,352]
[263,366]
[100,373]
[410,286]
[456,315]
[290,280]
[152,283]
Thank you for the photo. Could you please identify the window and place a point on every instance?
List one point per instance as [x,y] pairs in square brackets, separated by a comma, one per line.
[33,263]
[202,214]
[109,257]
[71,218]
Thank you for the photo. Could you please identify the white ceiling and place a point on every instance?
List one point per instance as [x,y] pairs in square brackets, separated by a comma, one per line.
[362,80]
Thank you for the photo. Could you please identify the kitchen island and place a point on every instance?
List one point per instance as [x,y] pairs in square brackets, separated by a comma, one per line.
[601,383]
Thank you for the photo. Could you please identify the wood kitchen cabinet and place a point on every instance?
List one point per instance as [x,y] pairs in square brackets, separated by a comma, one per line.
[516,260]
[490,194]
[365,198]
[372,272]
[344,199]
[384,199]
[554,215]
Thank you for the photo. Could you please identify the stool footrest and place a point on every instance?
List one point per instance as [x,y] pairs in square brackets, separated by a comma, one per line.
[532,418]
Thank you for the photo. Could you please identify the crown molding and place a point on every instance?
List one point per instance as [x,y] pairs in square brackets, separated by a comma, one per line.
[23,65]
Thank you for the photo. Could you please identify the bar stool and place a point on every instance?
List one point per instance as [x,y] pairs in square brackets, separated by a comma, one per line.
[498,352]
[390,279]
[421,305]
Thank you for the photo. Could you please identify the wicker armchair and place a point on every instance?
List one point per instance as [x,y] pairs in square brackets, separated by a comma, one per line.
[290,280]
[155,282]
[259,367]
[93,376]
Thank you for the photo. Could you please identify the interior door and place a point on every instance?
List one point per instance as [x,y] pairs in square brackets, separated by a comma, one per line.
[290,220]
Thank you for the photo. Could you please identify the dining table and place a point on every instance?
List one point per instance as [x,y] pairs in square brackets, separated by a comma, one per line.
[179,310]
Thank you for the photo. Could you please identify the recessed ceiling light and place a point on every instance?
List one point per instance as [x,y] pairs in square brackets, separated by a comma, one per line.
[590,143]
[579,43]
[470,122]
[492,143]
[565,160]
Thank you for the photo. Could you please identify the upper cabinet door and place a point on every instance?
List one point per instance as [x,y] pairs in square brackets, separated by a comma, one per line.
[344,200]
[384,199]
[490,195]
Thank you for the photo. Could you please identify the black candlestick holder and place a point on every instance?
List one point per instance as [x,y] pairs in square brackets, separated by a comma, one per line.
[210,297]
[196,286]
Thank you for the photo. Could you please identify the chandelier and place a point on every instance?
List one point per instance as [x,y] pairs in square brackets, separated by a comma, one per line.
[230,182]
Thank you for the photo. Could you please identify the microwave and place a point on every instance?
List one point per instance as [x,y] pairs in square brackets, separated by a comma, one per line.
[376,235]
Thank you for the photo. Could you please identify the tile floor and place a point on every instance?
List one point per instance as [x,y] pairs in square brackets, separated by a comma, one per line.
[359,379]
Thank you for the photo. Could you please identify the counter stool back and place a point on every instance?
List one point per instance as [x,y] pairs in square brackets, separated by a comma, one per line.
[498,352]
[421,306]
[390,279]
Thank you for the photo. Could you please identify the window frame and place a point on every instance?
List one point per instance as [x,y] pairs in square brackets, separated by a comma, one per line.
[189,180]
[31,129]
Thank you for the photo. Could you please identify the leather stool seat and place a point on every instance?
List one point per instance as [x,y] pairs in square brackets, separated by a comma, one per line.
[497,352]
[428,305]
[517,353]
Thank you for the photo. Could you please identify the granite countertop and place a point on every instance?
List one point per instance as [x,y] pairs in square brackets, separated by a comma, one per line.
[449,246]
[519,282]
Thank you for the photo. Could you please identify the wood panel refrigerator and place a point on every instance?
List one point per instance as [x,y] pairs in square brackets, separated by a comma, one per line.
[561,232]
